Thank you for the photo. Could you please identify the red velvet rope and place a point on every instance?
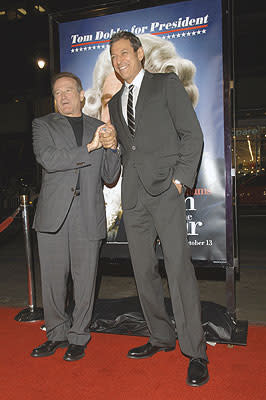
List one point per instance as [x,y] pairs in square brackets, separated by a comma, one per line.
[8,220]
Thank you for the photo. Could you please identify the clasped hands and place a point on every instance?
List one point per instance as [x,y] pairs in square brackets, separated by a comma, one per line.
[104,136]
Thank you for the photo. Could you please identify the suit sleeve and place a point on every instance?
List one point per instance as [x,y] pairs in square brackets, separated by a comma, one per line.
[110,166]
[188,129]
[52,158]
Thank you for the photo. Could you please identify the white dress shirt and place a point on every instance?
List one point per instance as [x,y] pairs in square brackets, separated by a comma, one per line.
[124,98]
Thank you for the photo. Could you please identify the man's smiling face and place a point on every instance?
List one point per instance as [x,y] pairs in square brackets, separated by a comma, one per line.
[126,61]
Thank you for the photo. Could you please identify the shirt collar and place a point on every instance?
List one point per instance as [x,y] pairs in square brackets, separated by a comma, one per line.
[137,80]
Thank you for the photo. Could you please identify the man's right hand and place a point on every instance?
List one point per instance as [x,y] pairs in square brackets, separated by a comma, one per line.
[95,143]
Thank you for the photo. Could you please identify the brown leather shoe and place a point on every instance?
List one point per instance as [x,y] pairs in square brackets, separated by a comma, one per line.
[48,348]
[197,372]
[148,350]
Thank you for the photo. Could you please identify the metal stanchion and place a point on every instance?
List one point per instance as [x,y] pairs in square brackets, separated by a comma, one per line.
[31,313]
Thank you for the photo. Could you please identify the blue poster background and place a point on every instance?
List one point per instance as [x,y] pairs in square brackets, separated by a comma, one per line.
[195,29]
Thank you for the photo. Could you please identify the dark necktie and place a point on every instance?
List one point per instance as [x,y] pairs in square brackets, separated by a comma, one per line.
[130,111]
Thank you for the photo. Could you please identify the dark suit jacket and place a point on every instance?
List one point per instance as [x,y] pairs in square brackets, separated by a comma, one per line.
[56,149]
[168,138]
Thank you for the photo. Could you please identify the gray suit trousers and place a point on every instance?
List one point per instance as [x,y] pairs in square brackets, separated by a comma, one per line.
[68,250]
[164,215]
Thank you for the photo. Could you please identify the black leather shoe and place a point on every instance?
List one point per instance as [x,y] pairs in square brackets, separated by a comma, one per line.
[197,372]
[148,350]
[48,348]
[74,352]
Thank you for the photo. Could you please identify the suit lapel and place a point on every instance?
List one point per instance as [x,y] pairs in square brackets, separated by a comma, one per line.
[88,133]
[66,129]
[119,108]
[146,85]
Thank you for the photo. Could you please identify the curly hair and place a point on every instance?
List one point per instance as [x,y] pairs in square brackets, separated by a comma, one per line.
[160,56]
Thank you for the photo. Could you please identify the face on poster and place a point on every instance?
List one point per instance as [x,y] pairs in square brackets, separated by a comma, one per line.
[192,36]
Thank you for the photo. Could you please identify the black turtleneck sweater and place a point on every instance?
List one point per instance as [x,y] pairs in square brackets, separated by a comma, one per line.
[77,126]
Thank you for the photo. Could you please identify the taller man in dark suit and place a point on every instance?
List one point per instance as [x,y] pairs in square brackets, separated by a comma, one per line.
[70,217]
[161,143]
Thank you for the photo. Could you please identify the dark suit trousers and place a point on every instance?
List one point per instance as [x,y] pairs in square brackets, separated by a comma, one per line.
[68,250]
[164,215]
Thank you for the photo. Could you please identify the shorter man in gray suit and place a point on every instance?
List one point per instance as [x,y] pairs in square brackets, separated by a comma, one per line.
[161,143]
[70,216]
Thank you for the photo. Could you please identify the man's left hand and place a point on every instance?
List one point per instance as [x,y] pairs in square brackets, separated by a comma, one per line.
[179,186]
[108,136]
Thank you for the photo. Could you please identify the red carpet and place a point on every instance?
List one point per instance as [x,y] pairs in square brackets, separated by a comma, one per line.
[237,373]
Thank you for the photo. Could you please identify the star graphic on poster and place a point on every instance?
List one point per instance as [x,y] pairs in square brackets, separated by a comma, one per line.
[193,33]
[183,34]
[204,31]
[188,34]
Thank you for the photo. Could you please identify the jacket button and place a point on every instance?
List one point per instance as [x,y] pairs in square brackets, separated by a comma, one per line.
[133,148]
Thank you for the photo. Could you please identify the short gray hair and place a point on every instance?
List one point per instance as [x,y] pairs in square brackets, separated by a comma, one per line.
[66,75]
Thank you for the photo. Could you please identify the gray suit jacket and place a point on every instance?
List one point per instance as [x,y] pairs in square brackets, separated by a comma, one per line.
[168,138]
[55,148]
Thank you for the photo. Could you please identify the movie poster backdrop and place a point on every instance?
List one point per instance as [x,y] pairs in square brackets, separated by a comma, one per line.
[195,30]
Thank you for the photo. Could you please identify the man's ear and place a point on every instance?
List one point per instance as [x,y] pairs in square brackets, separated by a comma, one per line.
[140,53]
[55,106]
[82,99]
[81,95]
